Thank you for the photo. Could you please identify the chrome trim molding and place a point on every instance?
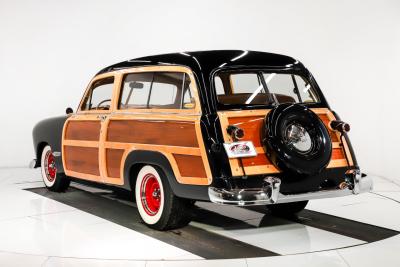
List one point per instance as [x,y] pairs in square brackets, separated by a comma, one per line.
[270,192]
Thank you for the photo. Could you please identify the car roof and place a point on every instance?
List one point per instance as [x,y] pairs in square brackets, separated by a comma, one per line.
[207,61]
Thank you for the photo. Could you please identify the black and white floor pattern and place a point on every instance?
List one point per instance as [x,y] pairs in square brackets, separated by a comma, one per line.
[88,226]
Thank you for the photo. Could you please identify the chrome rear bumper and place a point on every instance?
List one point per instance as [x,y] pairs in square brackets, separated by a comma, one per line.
[269,193]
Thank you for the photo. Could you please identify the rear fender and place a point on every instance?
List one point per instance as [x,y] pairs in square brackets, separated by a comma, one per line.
[138,158]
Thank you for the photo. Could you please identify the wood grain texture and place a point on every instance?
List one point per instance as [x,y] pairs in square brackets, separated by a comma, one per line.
[82,159]
[172,133]
[260,159]
[325,119]
[190,166]
[252,126]
[337,153]
[113,162]
[83,130]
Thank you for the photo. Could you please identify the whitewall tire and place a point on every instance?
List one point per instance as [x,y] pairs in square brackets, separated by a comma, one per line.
[54,180]
[158,207]
[149,194]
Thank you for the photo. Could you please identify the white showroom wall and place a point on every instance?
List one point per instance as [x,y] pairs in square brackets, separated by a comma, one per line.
[50,49]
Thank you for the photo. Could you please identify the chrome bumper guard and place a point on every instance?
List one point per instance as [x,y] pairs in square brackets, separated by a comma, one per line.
[269,193]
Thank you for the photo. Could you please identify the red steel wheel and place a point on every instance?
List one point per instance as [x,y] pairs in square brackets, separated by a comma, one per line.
[150,194]
[49,169]
[157,204]
[52,178]
[50,166]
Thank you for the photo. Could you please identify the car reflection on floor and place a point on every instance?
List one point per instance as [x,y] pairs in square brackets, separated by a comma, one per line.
[221,232]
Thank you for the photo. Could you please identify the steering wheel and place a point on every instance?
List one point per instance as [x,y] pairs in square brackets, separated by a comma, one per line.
[102,102]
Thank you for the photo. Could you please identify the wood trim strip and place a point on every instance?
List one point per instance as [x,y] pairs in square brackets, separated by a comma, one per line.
[172,149]
[261,169]
[84,176]
[337,163]
[206,164]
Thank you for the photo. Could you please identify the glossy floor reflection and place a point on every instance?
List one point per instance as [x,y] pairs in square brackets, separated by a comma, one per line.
[95,227]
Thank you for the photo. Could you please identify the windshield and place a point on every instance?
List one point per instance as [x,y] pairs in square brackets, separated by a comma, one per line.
[262,88]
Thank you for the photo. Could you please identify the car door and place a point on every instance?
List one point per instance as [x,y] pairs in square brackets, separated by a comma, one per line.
[81,145]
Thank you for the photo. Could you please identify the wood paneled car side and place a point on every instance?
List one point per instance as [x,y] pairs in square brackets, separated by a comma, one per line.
[232,127]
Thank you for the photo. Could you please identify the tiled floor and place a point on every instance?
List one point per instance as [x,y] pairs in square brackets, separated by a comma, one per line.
[36,230]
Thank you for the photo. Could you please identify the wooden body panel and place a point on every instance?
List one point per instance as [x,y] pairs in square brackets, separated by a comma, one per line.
[189,165]
[88,130]
[111,135]
[84,159]
[252,122]
[80,147]
[113,162]
[155,132]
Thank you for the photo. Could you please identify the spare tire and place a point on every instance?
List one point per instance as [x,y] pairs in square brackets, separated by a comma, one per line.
[296,140]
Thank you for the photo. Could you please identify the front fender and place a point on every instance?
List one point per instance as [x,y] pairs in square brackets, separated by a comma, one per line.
[49,131]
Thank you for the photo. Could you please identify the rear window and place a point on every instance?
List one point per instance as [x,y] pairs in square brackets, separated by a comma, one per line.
[262,88]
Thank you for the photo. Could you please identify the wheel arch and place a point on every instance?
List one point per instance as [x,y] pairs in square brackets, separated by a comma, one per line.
[138,158]
[39,149]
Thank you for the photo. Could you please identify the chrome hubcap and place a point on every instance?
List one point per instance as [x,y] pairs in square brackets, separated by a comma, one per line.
[298,137]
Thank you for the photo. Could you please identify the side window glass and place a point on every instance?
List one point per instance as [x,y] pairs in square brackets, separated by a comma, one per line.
[244,83]
[135,90]
[164,91]
[188,97]
[281,84]
[99,95]
[157,90]
[219,87]
[307,94]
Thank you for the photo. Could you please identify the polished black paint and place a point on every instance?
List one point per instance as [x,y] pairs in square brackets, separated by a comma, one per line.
[49,132]
[205,64]
[292,183]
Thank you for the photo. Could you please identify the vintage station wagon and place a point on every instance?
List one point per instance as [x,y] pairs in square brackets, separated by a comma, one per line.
[230,127]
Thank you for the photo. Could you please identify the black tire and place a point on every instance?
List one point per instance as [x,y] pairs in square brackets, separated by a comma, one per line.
[53,180]
[287,209]
[172,212]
